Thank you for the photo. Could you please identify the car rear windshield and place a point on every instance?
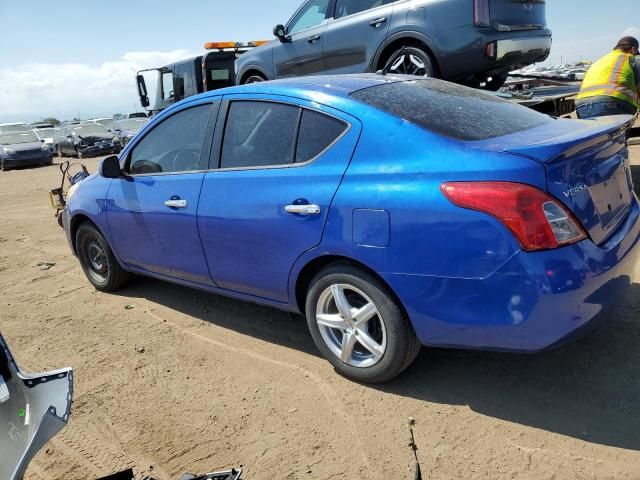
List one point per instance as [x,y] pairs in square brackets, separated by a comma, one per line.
[452,110]
[14,138]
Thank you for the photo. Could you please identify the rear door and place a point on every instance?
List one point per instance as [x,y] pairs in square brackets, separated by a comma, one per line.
[355,32]
[268,203]
[518,14]
[152,209]
[301,52]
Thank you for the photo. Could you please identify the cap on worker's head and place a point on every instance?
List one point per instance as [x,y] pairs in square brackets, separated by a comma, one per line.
[627,43]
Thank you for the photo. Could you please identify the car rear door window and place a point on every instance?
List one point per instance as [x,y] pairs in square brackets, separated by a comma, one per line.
[259,134]
[317,132]
[351,7]
[174,145]
[311,15]
[452,110]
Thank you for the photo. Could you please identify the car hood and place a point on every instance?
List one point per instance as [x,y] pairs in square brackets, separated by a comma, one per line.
[96,137]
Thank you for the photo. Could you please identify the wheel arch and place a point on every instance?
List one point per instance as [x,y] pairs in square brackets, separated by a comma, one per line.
[74,224]
[397,41]
[313,266]
[251,70]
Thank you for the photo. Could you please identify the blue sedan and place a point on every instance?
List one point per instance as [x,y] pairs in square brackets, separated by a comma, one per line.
[392,211]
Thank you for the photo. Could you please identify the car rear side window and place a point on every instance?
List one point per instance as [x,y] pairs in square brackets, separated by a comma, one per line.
[351,7]
[317,132]
[174,145]
[452,110]
[259,134]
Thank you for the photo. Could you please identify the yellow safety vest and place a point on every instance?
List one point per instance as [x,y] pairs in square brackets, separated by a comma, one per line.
[611,76]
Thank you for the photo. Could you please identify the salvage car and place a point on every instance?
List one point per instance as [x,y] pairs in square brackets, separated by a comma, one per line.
[473,42]
[87,139]
[22,149]
[127,129]
[392,211]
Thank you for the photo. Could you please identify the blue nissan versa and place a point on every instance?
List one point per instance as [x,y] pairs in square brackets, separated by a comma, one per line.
[393,211]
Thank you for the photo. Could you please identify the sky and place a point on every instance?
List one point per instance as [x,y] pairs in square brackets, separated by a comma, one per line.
[79,57]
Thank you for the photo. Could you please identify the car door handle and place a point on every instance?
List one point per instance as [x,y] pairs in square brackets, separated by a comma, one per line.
[379,21]
[313,39]
[303,209]
[176,203]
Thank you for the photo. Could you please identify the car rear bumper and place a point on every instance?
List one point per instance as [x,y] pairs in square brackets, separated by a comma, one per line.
[534,301]
[533,47]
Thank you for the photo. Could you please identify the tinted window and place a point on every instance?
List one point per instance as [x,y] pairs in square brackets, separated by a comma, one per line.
[312,14]
[350,7]
[174,145]
[259,134]
[317,132]
[450,109]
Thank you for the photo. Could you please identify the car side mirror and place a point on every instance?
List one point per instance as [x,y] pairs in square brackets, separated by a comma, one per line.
[110,167]
[280,32]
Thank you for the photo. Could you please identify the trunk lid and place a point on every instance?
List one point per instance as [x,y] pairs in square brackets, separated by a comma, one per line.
[518,14]
[587,167]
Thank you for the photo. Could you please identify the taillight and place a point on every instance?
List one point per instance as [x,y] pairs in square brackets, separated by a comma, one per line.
[536,219]
[481,13]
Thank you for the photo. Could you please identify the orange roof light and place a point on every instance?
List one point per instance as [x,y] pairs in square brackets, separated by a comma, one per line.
[222,45]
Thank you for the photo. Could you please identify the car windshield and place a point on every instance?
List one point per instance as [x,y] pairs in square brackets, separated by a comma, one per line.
[131,124]
[19,137]
[452,110]
[19,127]
[46,132]
[89,128]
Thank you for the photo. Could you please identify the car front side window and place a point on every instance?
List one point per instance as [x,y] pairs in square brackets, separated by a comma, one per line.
[174,145]
[311,15]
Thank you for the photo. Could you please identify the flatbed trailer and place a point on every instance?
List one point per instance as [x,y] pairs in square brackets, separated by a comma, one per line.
[549,95]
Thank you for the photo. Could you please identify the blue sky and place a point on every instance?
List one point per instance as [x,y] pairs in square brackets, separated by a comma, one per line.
[76,56]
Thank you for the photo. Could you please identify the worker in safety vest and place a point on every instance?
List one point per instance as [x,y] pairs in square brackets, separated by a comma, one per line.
[611,85]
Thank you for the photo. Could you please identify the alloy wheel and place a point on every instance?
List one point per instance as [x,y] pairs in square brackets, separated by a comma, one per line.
[351,325]
[408,64]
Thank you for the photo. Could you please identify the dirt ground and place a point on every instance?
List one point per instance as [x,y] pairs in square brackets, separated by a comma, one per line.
[170,380]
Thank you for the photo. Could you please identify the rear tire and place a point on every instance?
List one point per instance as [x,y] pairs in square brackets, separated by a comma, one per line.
[97,260]
[254,78]
[375,350]
[496,82]
[3,166]
[411,61]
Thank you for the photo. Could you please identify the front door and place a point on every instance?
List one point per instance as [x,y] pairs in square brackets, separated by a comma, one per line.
[152,210]
[268,203]
[301,51]
[355,33]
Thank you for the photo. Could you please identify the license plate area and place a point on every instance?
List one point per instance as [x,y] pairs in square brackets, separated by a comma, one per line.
[612,197]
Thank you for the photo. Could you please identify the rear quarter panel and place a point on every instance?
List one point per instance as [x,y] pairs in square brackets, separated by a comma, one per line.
[398,169]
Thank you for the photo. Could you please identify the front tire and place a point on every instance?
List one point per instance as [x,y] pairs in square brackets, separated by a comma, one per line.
[59,151]
[411,61]
[358,326]
[97,260]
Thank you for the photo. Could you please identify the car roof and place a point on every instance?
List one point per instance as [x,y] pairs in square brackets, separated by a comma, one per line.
[308,88]
[9,124]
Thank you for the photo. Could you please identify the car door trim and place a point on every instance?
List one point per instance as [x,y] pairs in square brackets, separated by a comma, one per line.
[221,123]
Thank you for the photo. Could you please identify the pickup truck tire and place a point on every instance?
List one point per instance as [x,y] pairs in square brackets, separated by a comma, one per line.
[411,61]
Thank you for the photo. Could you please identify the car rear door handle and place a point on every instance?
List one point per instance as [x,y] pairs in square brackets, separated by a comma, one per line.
[379,21]
[303,209]
[313,39]
[176,203]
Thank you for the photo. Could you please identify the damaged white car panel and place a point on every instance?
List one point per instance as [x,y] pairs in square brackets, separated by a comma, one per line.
[33,408]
